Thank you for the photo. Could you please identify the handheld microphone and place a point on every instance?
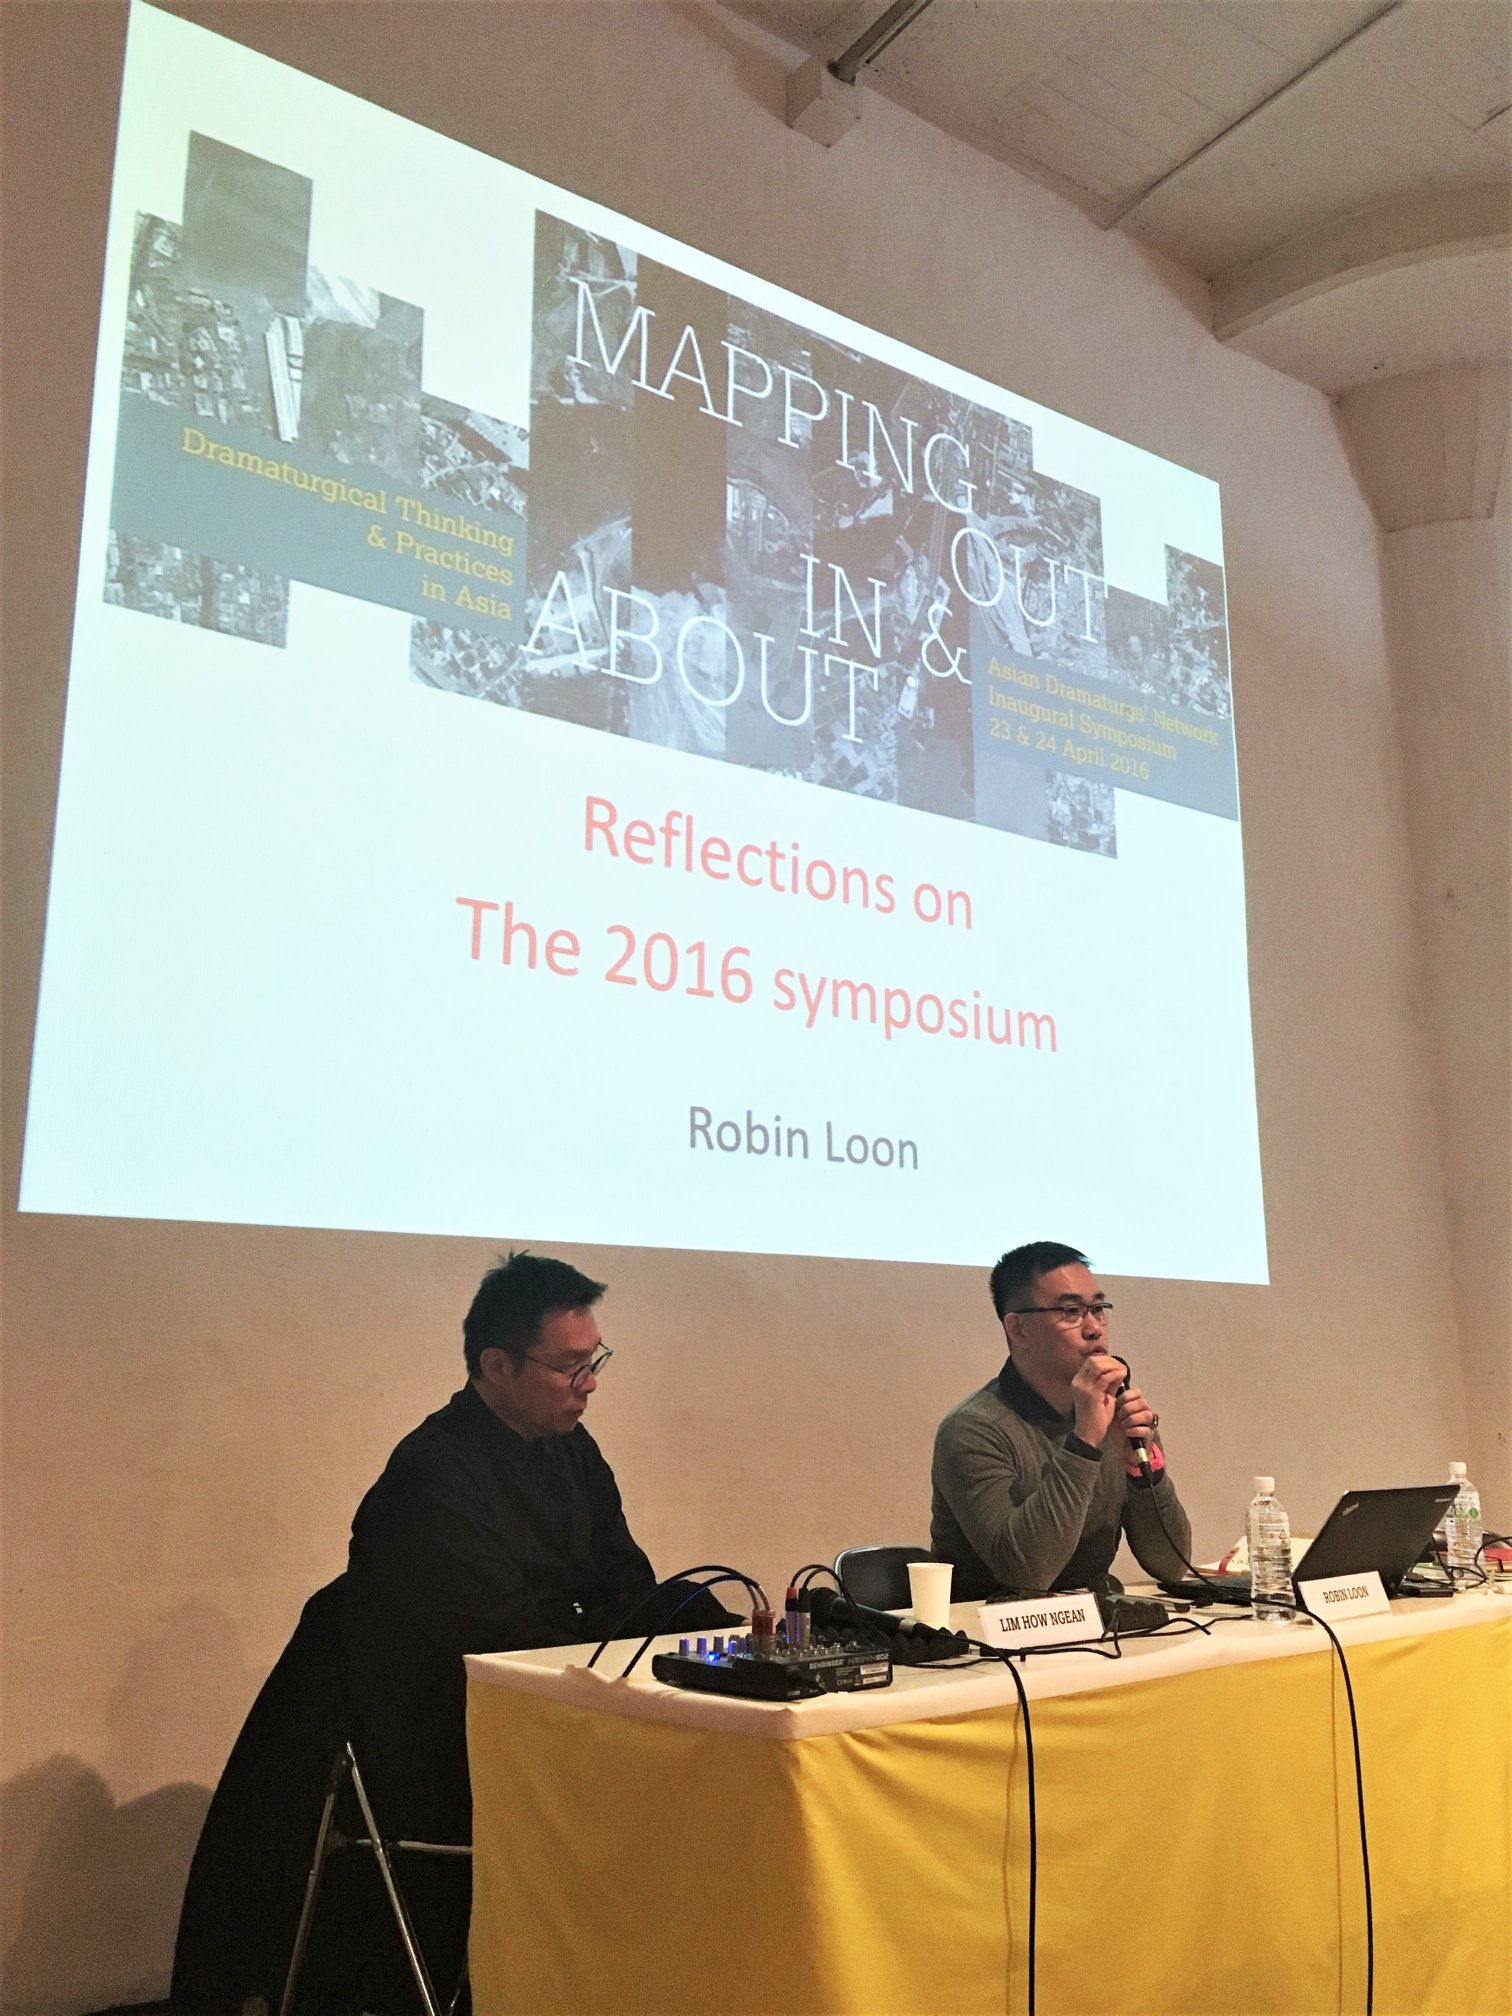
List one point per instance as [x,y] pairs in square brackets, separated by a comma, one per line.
[1140,1447]
[829,1607]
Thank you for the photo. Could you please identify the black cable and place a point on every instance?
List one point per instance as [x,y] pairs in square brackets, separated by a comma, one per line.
[1278,1602]
[1438,1550]
[1354,1732]
[697,1588]
[1483,1575]
[1183,1622]
[1475,1569]
[871,1634]
[754,1589]
[1001,1655]
[1435,1555]
[1191,1566]
[812,1568]
[1307,1616]
[1100,1648]
[1007,1658]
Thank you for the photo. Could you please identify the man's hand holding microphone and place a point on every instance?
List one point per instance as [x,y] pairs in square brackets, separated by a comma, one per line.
[1107,1403]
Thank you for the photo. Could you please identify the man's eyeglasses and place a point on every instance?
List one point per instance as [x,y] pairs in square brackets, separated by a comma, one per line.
[1071,1314]
[575,1375]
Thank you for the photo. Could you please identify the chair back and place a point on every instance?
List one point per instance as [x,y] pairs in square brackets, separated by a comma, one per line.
[878,1576]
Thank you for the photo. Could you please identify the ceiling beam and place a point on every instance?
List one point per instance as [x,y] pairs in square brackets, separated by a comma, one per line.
[1235,125]
[1403,231]
[870,43]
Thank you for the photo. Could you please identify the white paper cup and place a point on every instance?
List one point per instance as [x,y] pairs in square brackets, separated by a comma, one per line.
[929,1587]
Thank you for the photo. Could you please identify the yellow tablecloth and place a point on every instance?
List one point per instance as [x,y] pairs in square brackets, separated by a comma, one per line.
[1198,1849]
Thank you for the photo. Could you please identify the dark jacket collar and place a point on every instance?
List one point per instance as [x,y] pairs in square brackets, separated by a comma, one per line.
[1015,1392]
[477,1419]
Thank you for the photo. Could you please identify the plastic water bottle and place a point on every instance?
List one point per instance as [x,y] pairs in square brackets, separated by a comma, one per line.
[1462,1522]
[1268,1535]
[1441,1531]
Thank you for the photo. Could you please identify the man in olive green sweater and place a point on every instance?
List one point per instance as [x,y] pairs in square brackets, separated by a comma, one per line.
[1038,1473]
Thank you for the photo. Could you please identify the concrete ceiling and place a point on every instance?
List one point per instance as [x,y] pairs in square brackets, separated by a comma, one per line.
[1338,171]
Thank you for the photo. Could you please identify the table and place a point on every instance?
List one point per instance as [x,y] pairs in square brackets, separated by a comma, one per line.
[640,1849]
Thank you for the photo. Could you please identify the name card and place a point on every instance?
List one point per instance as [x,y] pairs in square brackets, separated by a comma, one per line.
[1345,1595]
[1042,1620]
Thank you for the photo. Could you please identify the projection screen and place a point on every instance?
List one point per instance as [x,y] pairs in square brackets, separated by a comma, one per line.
[567,738]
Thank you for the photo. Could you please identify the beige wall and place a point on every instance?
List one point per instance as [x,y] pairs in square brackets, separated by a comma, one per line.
[192,1411]
[1431,449]
[1450,595]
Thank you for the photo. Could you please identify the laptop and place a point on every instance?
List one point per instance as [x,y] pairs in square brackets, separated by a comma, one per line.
[1384,1530]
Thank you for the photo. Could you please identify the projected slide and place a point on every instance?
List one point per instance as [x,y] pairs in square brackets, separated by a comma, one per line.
[567,740]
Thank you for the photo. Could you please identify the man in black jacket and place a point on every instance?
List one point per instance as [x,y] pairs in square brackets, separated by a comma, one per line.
[496,1525]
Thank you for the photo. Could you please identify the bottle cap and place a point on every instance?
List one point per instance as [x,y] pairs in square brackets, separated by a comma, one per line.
[1456,1470]
[1264,1487]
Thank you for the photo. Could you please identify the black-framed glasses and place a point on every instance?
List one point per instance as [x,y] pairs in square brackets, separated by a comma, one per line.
[576,1374]
[1071,1314]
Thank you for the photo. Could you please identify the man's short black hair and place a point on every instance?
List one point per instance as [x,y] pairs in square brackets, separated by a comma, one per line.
[515,1298]
[1012,1280]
